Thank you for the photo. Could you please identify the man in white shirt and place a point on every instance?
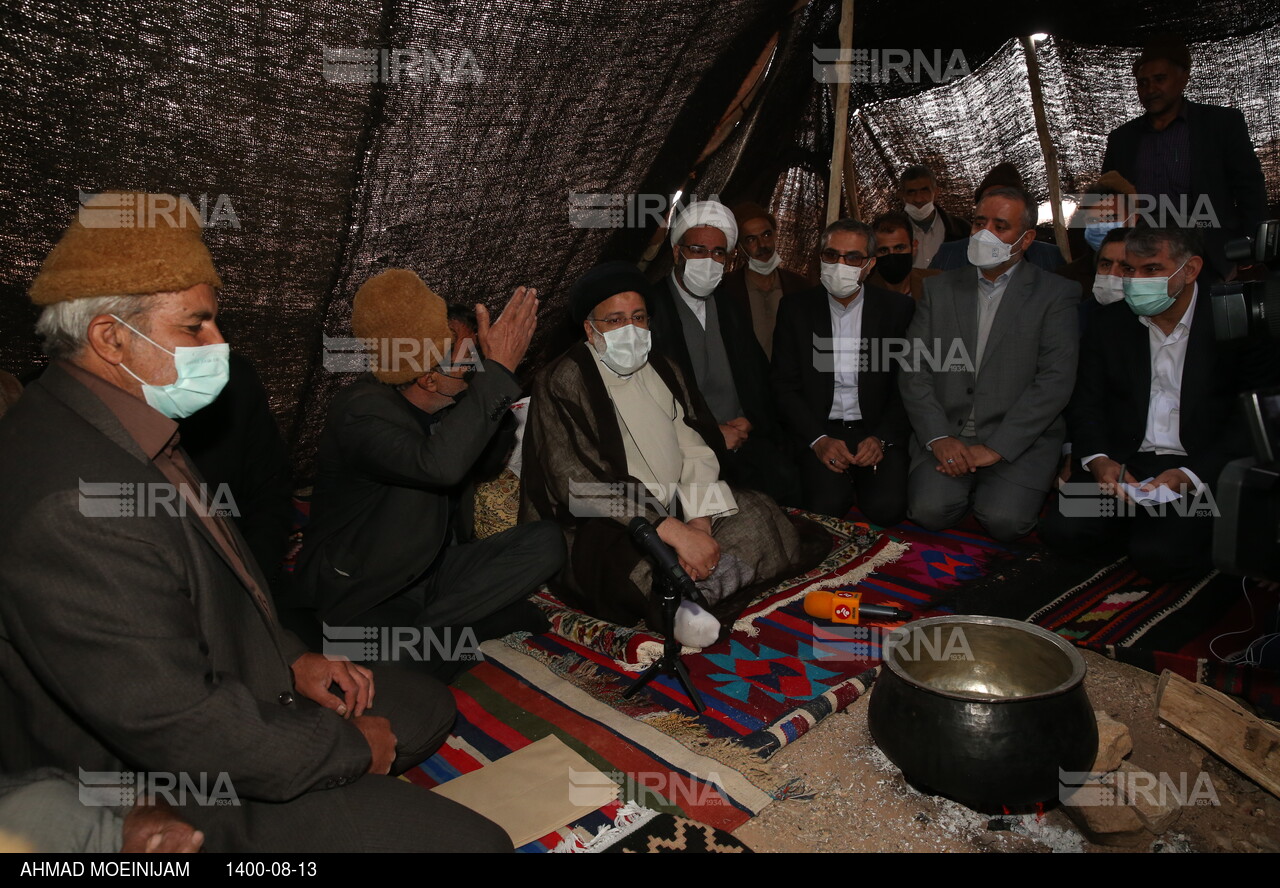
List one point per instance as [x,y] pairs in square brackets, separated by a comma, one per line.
[1155,407]
[837,386]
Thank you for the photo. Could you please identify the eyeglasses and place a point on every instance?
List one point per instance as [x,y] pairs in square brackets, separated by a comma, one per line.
[614,321]
[831,257]
[468,372]
[698,251]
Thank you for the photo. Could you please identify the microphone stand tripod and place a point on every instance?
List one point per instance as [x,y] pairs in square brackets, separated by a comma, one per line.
[669,663]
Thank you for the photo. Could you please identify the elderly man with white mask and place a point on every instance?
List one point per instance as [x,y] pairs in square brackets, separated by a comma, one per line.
[616,432]
[700,326]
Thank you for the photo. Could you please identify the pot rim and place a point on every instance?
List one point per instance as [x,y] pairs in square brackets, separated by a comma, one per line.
[1078,666]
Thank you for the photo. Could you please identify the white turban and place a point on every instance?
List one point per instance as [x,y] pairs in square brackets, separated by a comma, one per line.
[705,214]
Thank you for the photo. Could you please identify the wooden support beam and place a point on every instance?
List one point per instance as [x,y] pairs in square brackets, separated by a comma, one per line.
[840,136]
[1223,727]
[1046,147]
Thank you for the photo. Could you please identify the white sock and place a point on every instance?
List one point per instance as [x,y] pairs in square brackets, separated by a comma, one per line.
[695,627]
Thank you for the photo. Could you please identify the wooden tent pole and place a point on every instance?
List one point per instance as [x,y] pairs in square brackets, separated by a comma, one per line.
[850,171]
[1046,147]
[841,124]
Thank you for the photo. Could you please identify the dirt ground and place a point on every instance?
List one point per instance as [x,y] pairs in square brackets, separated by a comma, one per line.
[860,801]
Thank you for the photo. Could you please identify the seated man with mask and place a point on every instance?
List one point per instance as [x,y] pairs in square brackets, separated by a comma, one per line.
[698,324]
[614,433]
[1155,406]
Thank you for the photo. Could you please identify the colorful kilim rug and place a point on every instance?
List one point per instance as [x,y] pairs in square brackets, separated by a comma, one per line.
[1186,627]
[669,834]
[777,674]
[509,701]
[1098,604]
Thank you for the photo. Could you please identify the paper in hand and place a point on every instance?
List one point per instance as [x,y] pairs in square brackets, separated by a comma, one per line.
[1149,497]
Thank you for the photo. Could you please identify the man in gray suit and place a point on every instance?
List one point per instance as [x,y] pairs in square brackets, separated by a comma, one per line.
[137,633]
[992,368]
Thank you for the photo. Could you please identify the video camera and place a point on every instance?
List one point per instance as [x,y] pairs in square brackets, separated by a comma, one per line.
[1250,308]
[1246,538]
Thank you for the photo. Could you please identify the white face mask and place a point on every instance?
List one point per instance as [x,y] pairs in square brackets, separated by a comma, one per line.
[702,276]
[841,280]
[1108,288]
[625,350]
[767,266]
[987,251]
[919,213]
[203,371]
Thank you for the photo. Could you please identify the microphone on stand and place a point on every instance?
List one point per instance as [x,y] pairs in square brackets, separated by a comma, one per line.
[645,535]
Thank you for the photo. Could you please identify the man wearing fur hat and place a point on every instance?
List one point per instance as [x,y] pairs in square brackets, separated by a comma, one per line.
[136,630]
[699,326]
[615,432]
[390,541]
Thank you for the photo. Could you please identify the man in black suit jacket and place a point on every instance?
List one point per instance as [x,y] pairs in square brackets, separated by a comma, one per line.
[389,540]
[837,392]
[1196,158]
[699,326]
[1156,398]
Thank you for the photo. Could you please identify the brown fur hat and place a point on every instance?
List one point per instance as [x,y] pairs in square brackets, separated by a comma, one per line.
[126,244]
[397,305]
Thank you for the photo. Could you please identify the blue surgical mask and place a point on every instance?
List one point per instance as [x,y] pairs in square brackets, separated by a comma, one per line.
[1148,297]
[1096,232]
[202,373]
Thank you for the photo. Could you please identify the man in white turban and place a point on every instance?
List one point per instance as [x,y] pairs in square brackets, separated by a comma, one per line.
[698,325]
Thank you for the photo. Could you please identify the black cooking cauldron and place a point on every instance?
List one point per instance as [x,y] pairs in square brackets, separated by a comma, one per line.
[983,710]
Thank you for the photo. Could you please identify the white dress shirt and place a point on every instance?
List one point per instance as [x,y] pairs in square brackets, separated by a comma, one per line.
[846,355]
[1164,409]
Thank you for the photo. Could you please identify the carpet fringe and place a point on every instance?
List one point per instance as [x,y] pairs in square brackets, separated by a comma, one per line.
[890,552]
[630,817]
[687,730]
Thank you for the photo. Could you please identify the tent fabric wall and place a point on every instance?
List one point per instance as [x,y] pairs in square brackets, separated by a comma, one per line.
[963,128]
[463,178]
[466,179]
[183,98]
